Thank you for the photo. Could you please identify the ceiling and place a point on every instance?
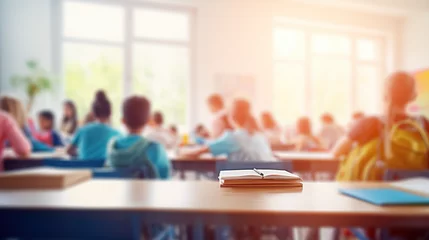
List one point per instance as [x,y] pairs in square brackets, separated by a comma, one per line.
[388,7]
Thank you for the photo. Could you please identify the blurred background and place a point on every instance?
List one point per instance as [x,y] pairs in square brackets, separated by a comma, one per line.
[290,57]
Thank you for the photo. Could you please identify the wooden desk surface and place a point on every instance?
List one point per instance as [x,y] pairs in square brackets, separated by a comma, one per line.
[283,155]
[317,204]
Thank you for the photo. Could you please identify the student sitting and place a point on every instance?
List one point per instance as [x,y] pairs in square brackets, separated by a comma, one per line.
[91,140]
[305,140]
[174,133]
[330,132]
[46,124]
[201,135]
[157,133]
[245,143]
[271,130]
[16,110]
[371,137]
[10,132]
[69,123]
[134,150]
[220,122]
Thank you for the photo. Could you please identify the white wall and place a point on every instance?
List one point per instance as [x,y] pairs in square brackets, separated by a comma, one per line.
[416,41]
[232,37]
[26,35]
[235,36]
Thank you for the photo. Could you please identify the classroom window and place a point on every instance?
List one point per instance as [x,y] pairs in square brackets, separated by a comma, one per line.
[89,68]
[128,49]
[158,66]
[319,70]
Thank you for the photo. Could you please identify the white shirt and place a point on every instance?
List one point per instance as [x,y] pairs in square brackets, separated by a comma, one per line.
[160,135]
[218,124]
[329,134]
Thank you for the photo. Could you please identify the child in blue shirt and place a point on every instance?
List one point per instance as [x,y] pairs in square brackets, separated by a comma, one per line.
[134,150]
[245,142]
[91,140]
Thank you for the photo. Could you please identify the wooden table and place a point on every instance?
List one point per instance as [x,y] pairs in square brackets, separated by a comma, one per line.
[190,202]
[303,162]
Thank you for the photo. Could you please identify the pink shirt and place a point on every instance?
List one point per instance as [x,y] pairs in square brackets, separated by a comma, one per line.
[10,131]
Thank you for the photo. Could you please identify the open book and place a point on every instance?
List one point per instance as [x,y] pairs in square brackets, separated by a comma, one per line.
[259,178]
[43,178]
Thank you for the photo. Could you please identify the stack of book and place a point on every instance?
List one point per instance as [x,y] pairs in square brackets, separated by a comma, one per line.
[259,178]
[43,178]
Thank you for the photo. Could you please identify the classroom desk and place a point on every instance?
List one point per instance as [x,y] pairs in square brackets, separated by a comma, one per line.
[303,162]
[192,202]
[59,153]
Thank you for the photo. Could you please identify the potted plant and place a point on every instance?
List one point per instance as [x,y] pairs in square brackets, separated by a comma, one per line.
[35,82]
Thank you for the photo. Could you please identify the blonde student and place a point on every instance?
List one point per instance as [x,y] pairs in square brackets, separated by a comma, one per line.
[244,142]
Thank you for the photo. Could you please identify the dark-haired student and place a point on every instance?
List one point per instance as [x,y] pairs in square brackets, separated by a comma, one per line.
[47,128]
[133,150]
[69,123]
[90,142]
[245,142]
[200,134]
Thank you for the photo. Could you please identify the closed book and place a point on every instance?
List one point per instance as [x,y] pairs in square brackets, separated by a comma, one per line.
[43,178]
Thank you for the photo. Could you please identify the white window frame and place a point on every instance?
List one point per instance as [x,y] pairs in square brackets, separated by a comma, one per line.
[59,39]
[352,32]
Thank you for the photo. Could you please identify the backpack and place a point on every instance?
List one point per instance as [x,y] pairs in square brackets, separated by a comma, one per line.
[367,162]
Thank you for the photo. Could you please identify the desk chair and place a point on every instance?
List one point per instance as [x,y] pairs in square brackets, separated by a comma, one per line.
[393,174]
[279,232]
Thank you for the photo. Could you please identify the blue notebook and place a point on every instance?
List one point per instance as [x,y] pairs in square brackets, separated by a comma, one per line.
[386,196]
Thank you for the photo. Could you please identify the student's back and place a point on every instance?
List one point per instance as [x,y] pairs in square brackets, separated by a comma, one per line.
[245,143]
[92,140]
[137,152]
[375,144]
[240,145]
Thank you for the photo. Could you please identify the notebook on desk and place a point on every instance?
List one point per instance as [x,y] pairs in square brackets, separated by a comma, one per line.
[259,178]
[43,178]
[386,196]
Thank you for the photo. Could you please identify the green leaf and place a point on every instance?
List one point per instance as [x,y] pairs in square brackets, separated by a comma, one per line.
[32,64]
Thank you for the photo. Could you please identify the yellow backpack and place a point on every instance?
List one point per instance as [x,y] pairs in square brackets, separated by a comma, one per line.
[410,151]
